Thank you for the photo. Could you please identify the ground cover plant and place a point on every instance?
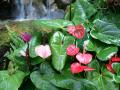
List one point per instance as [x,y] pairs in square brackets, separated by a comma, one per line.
[79,52]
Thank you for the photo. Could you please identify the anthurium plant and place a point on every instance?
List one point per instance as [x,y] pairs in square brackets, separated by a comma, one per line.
[79,52]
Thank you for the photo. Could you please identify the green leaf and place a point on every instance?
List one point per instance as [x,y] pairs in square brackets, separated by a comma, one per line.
[101,77]
[53,24]
[36,60]
[116,78]
[106,53]
[106,32]
[103,50]
[62,81]
[72,84]
[103,84]
[40,82]
[95,45]
[70,14]
[59,43]
[47,70]
[15,38]
[83,11]
[116,67]
[11,82]
[35,41]
[94,64]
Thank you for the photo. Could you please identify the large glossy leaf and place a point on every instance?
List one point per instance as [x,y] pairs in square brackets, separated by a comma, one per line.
[116,78]
[101,77]
[11,82]
[62,81]
[95,45]
[106,32]
[83,11]
[103,50]
[40,82]
[107,53]
[53,24]
[94,64]
[59,43]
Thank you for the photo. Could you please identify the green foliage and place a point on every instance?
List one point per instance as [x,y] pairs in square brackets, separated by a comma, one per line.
[103,51]
[107,53]
[54,73]
[11,82]
[36,40]
[59,43]
[101,77]
[47,79]
[83,11]
[106,32]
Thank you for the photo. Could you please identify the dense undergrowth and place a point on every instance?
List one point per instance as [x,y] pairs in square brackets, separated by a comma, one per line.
[79,52]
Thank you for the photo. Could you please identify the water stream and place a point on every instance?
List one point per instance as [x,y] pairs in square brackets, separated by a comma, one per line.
[36,9]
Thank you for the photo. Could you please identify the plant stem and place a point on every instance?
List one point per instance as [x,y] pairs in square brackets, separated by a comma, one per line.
[70,12]
[27,58]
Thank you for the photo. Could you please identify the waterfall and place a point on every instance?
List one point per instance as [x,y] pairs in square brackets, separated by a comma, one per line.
[48,8]
[36,9]
[25,9]
[20,8]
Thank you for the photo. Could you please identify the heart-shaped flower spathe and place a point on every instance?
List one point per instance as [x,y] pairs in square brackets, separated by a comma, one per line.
[77,68]
[77,31]
[84,58]
[115,59]
[43,51]
[72,50]
[109,67]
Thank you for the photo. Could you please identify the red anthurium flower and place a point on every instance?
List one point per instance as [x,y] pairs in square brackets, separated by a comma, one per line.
[84,58]
[115,59]
[77,68]
[26,37]
[43,51]
[89,69]
[109,67]
[77,31]
[72,50]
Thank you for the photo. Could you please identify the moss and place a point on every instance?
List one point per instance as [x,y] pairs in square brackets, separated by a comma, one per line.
[4,38]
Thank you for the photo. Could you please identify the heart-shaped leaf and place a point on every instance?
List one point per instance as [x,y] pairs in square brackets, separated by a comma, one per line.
[83,11]
[107,53]
[40,82]
[11,82]
[59,43]
[56,81]
[106,32]
[103,50]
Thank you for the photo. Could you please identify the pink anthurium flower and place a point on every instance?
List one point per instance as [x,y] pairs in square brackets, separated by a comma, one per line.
[77,68]
[26,37]
[77,31]
[43,51]
[84,58]
[72,50]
